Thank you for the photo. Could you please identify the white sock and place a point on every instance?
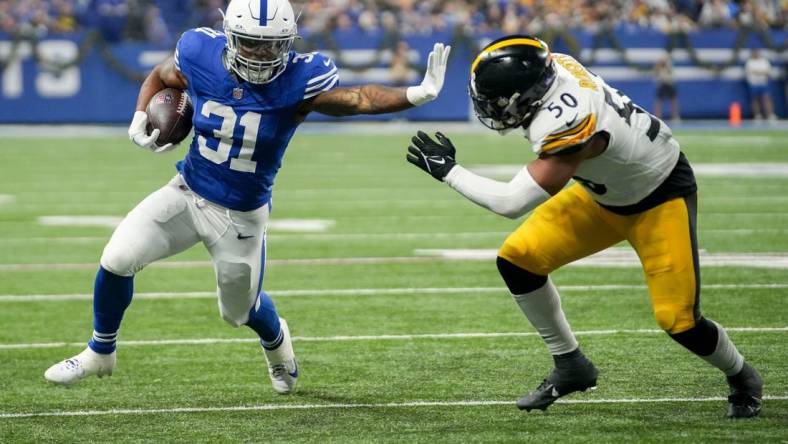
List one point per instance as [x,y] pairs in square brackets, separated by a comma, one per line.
[542,307]
[725,356]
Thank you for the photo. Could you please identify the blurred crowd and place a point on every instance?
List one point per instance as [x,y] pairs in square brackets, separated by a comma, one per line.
[161,21]
[534,16]
[152,21]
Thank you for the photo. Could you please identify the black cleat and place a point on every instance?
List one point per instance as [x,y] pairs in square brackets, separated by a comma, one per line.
[746,395]
[578,375]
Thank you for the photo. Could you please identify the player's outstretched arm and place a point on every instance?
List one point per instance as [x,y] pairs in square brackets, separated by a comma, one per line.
[531,186]
[164,75]
[378,99]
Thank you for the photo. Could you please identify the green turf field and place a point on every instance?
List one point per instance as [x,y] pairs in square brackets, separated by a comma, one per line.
[392,349]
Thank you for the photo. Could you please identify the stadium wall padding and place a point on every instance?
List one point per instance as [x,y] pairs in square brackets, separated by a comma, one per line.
[93,92]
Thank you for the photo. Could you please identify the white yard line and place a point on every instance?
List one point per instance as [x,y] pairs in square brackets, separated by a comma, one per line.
[700,169]
[623,257]
[390,236]
[6,199]
[292,225]
[744,199]
[208,264]
[352,292]
[54,239]
[744,231]
[610,258]
[712,132]
[374,236]
[279,236]
[385,405]
[301,225]
[81,221]
[741,169]
[210,341]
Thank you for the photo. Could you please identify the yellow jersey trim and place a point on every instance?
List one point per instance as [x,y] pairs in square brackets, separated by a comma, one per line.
[572,136]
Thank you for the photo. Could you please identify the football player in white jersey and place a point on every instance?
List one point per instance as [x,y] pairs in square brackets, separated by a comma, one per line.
[632,183]
[250,92]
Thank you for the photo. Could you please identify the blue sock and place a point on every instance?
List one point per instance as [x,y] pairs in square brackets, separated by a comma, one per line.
[264,320]
[111,297]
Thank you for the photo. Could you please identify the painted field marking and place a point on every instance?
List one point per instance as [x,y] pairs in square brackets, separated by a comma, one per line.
[293,225]
[385,405]
[762,170]
[735,141]
[741,169]
[340,338]
[323,292]
[81,221]
[743,231]
[297,237]
[744,199]
[6,199]
[54,239]
[610,258]
[624,257]
[376,236]
[301,225]
[208,264]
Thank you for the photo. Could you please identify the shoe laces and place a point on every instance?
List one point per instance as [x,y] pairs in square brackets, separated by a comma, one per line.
[72,364]
[278,370]
[545,383]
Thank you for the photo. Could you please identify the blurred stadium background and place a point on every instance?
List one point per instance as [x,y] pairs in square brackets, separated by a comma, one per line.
[59,55]
[403,327]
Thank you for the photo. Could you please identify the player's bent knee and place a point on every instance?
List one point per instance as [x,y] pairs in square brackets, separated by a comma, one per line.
[120,261]
[519,280]
[676,318]
[234,284]
[232,318]
[666,319]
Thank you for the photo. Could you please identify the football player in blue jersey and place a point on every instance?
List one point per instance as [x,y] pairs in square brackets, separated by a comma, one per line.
[250,91]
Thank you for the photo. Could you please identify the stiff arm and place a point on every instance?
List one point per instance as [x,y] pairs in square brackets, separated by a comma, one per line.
[379,99]
[367,99]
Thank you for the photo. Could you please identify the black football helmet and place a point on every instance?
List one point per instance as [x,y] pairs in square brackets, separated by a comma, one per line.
[509,78]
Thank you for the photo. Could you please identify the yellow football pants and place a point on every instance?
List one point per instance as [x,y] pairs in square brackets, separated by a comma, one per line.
[571,225]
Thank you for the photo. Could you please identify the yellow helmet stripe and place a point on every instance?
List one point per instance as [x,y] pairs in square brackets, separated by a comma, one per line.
[504,44]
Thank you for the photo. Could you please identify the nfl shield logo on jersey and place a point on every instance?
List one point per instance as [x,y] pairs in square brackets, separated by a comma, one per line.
[238,93]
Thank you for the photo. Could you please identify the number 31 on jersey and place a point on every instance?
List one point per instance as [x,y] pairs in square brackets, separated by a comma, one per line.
[250,121]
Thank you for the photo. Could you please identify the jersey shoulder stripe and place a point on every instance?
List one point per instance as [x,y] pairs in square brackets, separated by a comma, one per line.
[330,83]
[317,79]
[574,136]
[323,75]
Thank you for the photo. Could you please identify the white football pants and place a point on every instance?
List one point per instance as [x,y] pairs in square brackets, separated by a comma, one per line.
[173,219]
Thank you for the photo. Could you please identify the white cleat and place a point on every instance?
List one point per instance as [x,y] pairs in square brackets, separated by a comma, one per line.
[87,363]
[282,364]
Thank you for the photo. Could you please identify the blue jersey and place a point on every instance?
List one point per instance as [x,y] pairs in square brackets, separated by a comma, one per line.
[241,130]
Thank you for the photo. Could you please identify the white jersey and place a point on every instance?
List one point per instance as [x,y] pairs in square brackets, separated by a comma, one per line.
[641,152]
[758,71]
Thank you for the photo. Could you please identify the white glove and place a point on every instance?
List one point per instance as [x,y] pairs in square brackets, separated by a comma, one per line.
[433,78]
[138,134]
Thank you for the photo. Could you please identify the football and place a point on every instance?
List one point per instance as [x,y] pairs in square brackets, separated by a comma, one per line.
[170,110]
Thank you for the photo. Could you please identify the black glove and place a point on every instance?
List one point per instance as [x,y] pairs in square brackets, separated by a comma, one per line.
[436,158]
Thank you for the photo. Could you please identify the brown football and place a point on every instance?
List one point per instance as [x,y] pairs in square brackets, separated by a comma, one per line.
[170,110]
